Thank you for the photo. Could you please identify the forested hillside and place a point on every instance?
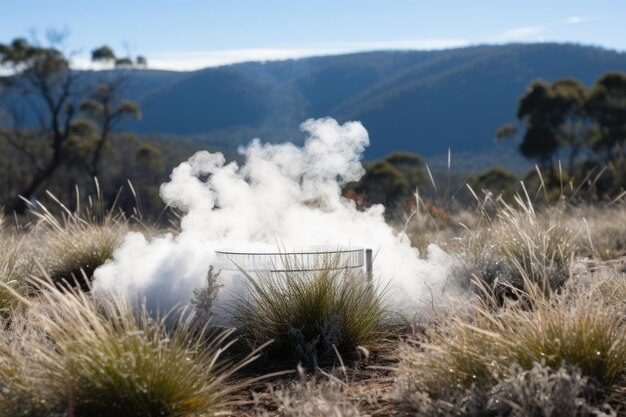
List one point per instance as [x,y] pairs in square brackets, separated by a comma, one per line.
[423,102]
[418,101]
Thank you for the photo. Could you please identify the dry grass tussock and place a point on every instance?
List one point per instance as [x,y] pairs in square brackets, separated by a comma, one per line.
[541,338]
[315,397]
[511,245]
[580,330]
[70,354]
[311,315]
[16,264]
[601,231]
[78,241]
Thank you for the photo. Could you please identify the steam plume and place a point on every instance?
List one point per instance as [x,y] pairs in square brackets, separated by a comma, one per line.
[281,193]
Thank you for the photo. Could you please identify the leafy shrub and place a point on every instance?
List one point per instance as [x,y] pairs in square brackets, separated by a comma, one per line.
[310,313]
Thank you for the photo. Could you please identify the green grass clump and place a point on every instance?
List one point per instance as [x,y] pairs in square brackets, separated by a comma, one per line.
[86,357]
[309,314]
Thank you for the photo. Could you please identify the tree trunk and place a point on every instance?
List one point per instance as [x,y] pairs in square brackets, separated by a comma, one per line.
[572,160]
[94,168]
[18,205]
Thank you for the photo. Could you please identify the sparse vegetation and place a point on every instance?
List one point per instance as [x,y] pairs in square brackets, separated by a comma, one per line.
[539,331]
[521,313]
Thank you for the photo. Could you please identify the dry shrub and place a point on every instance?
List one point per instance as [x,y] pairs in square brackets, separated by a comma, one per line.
[202,300]
[544,391]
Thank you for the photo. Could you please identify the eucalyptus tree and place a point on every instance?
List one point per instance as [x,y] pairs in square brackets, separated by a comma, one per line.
[41,78]
[607,105]
[46,106]
[554,117]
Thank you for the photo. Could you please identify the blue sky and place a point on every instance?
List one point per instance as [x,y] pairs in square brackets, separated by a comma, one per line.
[191,34]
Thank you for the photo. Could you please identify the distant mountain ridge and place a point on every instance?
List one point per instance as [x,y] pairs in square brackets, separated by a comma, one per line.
[419,101]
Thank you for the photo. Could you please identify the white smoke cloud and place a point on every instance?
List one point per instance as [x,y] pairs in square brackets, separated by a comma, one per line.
[281,194]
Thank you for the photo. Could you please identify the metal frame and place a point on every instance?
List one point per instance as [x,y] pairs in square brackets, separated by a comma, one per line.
[340,258]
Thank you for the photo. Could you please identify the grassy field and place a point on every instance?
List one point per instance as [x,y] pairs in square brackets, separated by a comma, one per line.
[537,326]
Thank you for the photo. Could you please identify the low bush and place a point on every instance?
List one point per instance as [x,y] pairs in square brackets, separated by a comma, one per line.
[544,391]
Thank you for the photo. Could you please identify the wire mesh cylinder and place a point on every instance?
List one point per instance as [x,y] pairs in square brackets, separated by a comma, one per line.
[309,260]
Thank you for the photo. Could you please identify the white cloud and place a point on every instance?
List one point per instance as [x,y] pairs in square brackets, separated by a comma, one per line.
[192,60]
[403,44]
[523,33]
[572,20]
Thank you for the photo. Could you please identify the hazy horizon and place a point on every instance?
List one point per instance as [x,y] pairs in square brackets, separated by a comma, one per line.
[87,65]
